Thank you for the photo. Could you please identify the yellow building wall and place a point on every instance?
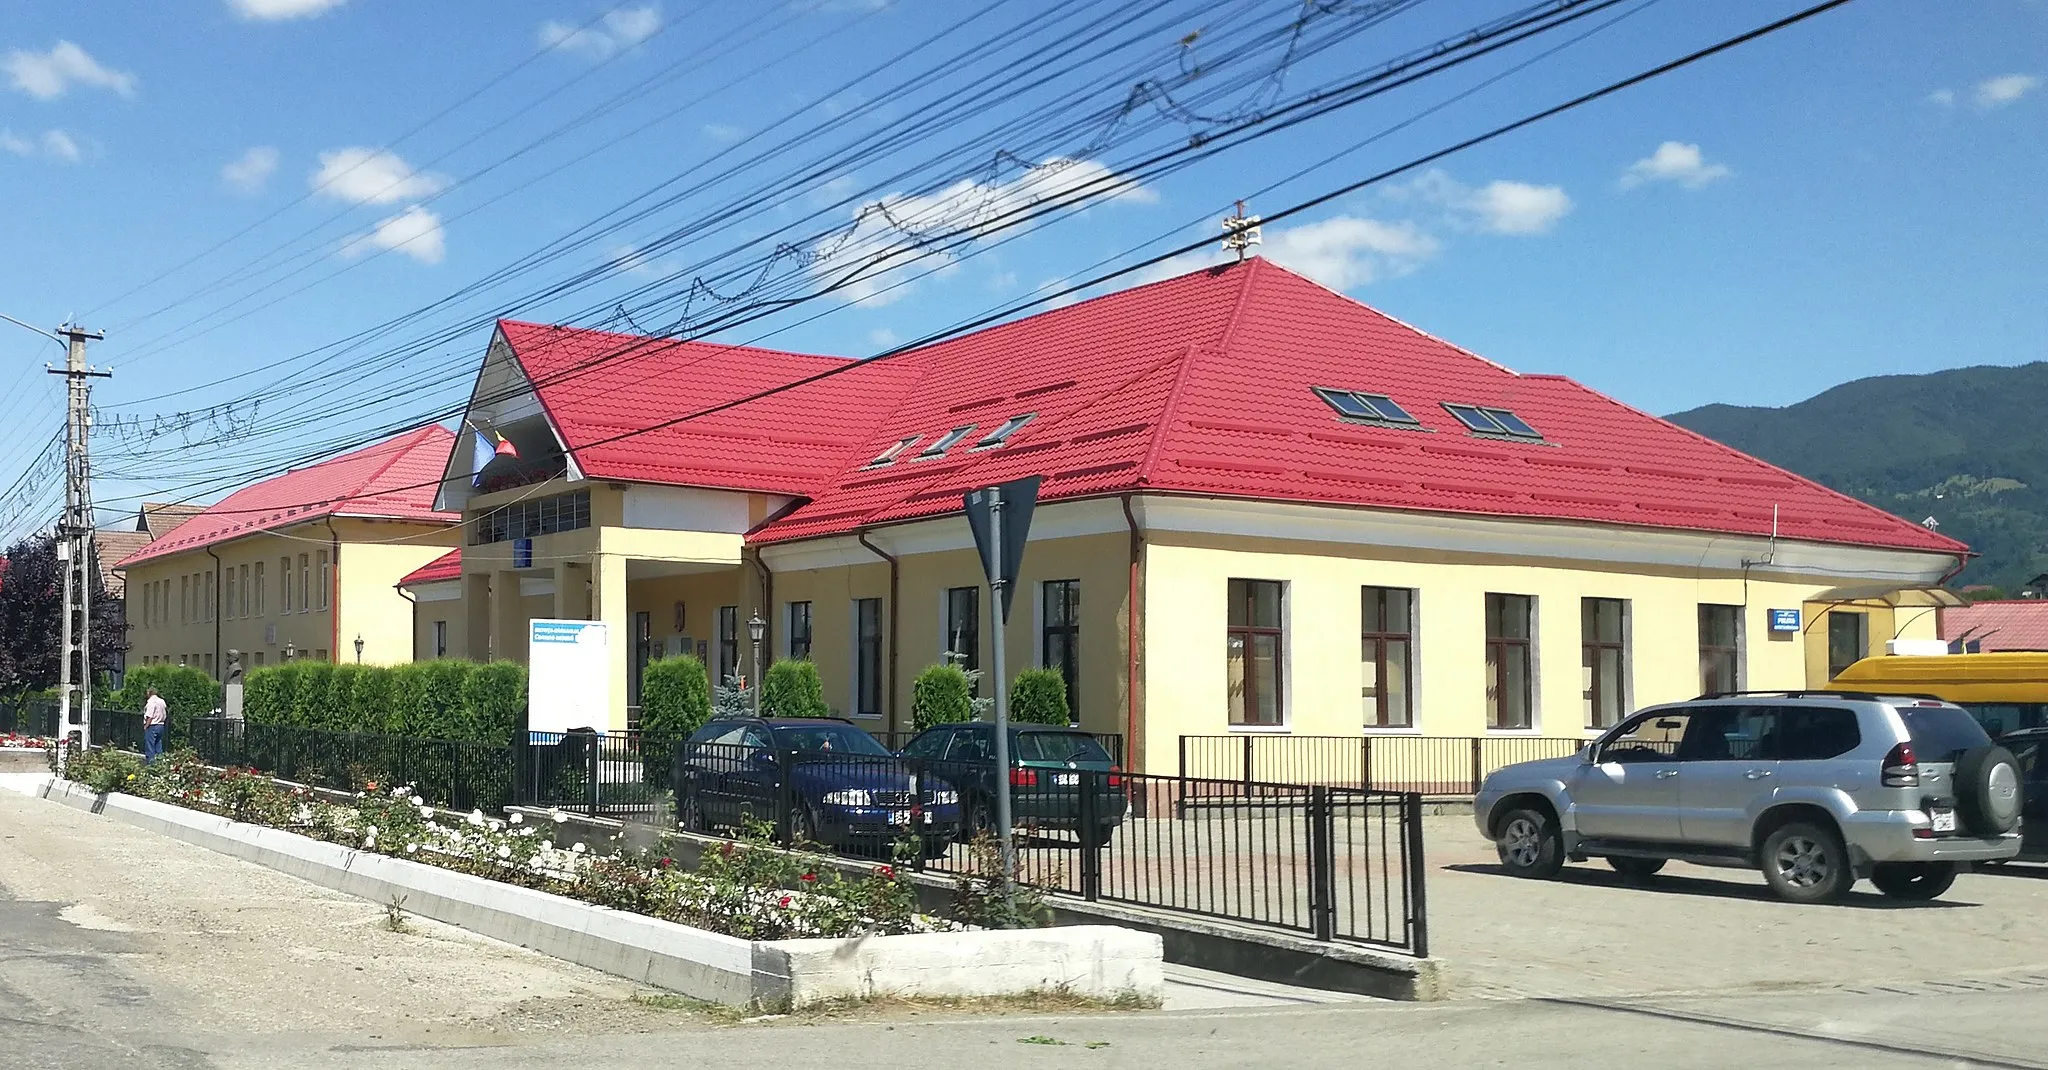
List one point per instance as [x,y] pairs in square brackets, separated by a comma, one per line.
[424,614]
[360,596]
[1185,634]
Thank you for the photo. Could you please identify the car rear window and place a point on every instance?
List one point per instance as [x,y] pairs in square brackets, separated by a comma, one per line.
[1940,733]
[1059,747]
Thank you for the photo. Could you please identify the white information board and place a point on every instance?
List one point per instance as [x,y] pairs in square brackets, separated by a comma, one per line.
[568,676]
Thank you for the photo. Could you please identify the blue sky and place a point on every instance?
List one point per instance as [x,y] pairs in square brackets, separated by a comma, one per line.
[1858,195]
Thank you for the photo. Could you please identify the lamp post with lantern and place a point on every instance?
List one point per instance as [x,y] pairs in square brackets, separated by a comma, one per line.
[756,627]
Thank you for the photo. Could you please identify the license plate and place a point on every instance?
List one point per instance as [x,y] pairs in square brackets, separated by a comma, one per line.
[1944,820]
[1066,780]
[899,817]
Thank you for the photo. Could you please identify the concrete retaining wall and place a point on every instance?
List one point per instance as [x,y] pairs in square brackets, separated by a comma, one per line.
[1102,962]
[23,760]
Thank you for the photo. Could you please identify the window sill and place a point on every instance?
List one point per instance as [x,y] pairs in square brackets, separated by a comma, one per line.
[1261,729]
[1376,730]
[1511,732]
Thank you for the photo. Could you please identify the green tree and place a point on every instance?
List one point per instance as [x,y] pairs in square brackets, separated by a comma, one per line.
[369,702]
[941,694]
[442,713]
[263,701]
[495,695]
[793,688]
[675,697]
[1039,697]
[310,698]
[405,715]
[339,702]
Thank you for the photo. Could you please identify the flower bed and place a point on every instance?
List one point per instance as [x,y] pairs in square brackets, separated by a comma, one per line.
[17,741]
[747,889]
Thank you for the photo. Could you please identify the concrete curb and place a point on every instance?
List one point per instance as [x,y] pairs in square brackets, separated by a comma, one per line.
[1100,962]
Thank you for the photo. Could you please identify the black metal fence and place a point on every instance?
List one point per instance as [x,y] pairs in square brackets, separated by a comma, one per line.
[28,717]
[1426,765]
[1113,742]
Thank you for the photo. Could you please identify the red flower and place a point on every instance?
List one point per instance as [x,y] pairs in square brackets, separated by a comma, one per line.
[888,873]
[810,877]
[667,862]
[785,900]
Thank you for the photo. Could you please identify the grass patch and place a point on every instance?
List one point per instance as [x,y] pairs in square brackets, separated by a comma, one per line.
[395,918]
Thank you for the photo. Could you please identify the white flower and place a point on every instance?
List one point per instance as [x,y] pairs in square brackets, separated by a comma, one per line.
[400,793]
[417,801]
[579,848]
[497,826]
[476,817]
[504,852]
[427,812]
[412,848]
[372,831]
[519,819]
[560,817]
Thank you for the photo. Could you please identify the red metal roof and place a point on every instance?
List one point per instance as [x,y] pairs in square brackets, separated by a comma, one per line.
[448,566]
[392,480]
[1198,385]
[2006,624]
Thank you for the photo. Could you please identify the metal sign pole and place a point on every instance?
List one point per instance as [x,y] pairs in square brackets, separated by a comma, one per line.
[997,582]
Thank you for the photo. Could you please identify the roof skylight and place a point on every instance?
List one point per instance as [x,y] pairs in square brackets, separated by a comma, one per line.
[1371,408]
[895,449]
[1002,434]
[1486,421]
[945,442]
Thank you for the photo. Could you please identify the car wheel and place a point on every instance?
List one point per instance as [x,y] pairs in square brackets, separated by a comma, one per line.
[980,819]
[1806,863]
[936,847]
[691,813]
[1097,836]
[1636,869]
[1913,880]
[803,827]
[1529,844]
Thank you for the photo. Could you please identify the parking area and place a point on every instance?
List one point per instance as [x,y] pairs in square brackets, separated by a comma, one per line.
[1699,930]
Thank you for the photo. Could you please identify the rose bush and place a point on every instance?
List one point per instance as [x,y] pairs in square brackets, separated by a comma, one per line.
[747,888]
[15,739]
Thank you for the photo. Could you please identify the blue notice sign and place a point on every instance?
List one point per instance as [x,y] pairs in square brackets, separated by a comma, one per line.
[1784,620]
[522,553]
[561,631]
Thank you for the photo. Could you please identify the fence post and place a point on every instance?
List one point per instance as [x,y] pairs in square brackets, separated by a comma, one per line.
[590,768]
[1183,757]
[1322,882]
[1418,873]
[785,797]
[1092,843]
[1365,762]
[1477,765]
[1248,765]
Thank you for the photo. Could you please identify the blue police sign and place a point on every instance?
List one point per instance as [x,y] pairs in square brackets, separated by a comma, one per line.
[1784,620]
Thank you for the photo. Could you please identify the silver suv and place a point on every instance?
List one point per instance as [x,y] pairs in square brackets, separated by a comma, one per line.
[1816,788]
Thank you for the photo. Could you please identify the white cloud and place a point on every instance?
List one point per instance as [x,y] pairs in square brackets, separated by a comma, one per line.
[1499,207]
[248,173]
[1341,252]
[620,29]
[55,144]
[280,10]
[723,132]
[416,232]
[883,338]
[2004,89]
[372,176]
[1674,161]
[58,144]
[1944,97]
[894,225]
[634,261]
[49,75]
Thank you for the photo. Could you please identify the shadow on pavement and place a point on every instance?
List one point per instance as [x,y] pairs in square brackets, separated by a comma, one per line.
[1605,878]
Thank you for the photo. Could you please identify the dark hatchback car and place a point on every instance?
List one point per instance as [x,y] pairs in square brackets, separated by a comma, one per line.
[845,789]
[2030,746]
[1047,763]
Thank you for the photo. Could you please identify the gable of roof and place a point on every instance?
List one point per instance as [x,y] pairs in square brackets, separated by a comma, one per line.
[448,566]
[158,519]
[2005,624]
[390,480]
[110,548]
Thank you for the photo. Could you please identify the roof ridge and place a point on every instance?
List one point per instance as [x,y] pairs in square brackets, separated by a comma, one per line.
[1166,412]
[398,453]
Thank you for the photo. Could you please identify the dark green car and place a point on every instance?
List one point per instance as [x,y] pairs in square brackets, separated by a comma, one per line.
[1049,766]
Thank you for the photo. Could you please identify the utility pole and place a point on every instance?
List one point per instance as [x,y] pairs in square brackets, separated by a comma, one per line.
[74,542]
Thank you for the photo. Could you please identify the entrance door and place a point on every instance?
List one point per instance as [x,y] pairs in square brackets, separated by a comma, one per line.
[1629,791]
[643,646]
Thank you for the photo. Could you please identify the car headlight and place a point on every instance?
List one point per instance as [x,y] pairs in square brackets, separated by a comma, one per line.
[849,797]
[942,798]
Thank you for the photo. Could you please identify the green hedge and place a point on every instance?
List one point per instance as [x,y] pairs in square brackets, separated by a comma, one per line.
[675,697]
[1039,696]
[941,694]
[186,691]
[450,699]
[793,689]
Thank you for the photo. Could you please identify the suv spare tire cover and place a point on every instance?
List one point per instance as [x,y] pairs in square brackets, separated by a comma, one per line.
[1988,790]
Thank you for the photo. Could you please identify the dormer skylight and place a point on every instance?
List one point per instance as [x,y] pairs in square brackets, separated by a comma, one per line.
[945,442]
[1361,407]
[1002,434]
[895,450]
[1497,422]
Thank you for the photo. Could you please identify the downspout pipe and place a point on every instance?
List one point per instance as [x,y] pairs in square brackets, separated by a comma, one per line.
[333,593]
[220,671]
[1133,750]
[894,605]
[415,614]
[767,611]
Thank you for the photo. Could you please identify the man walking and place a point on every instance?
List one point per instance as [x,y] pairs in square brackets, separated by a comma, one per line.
[155,718]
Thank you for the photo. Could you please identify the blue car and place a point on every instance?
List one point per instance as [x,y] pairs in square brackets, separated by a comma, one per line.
[843,789]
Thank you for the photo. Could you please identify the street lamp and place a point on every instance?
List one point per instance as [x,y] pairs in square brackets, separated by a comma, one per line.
[287,650]
[359,650]
[756,627]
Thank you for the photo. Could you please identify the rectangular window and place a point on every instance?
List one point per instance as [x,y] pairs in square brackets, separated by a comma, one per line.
[1848,640]
[258,599]
[1386,656]
[305,585]
[963,627]
[320,655]
[1603,645]
[184,599]
[867,657]
[1720,649]
[1059,639]
[259,657]
[209,664]
[1255,646]
[526,519]
[228,607]
[206,608]
[728,642]
[440,639]
[284,585]
[242,607]
[1510,665]
[326,579]
[799,630]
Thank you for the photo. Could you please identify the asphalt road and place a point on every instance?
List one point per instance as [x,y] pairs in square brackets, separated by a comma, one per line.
[123,949]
